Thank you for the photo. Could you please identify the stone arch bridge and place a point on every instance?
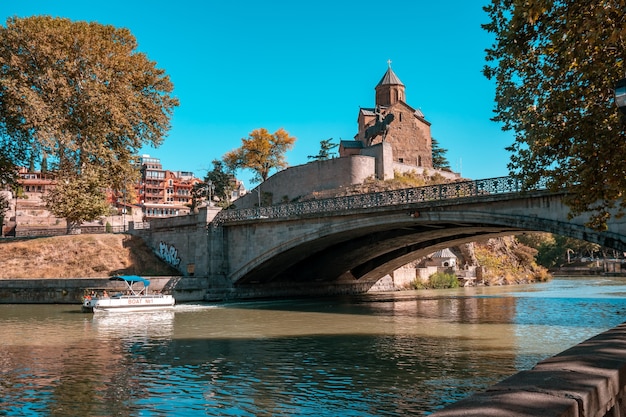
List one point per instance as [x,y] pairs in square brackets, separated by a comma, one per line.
[346,244]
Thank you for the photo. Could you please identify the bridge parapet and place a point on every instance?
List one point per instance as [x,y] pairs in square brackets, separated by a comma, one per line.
[438,192]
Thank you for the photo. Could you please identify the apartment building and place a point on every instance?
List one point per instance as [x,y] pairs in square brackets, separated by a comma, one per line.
[159,193]
[163,193]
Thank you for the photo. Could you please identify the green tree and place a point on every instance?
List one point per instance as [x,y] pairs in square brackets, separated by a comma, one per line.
[555,63]
[198,193]
[552,250]
[261,152]
[77,198]
[79,95]
[439,156]
[222,181]
[326,147]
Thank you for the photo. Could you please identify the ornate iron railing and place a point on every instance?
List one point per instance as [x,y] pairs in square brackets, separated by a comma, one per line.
[455,190]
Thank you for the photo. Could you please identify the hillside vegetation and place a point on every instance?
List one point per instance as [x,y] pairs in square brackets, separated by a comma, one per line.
[79,256]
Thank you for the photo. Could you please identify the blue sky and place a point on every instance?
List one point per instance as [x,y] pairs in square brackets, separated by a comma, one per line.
[307,67]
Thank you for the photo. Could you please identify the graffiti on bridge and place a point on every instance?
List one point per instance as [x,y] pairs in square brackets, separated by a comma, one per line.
[169,254]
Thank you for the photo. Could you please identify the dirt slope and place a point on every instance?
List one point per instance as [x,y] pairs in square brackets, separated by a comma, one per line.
[81,256]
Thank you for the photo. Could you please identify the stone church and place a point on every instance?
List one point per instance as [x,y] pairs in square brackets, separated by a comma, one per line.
[392,121]
[392,137]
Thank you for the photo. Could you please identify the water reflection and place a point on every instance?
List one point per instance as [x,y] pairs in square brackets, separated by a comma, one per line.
[386,354]
[134,325]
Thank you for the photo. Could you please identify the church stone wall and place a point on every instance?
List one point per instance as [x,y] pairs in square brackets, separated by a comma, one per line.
[297,181]
[410,138]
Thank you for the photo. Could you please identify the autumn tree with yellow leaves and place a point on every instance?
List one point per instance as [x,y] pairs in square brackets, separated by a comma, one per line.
[261,152]
[79,95]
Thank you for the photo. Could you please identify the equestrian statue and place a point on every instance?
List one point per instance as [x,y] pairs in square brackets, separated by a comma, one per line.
[380,127]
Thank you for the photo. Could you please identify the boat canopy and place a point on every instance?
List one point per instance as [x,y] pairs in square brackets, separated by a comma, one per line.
[131,279]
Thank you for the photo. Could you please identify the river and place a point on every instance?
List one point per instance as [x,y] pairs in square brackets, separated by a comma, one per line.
[391,354]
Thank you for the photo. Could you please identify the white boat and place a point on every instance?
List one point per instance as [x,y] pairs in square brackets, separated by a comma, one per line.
[130,300]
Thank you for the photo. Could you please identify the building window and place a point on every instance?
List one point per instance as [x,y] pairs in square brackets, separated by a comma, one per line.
[401,160]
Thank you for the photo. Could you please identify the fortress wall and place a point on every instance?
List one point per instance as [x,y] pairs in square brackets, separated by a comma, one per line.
[294,182]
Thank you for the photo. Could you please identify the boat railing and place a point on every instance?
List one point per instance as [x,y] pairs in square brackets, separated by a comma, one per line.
[153,295]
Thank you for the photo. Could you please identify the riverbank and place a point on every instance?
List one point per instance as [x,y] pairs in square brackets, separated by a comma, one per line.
[58,270]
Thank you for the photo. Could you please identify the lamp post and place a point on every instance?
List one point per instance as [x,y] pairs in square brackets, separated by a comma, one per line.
[124,210]
[210,190]
[620,96]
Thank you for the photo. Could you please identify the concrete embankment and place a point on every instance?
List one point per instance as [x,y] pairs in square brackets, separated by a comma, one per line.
[588,379]
[71,291]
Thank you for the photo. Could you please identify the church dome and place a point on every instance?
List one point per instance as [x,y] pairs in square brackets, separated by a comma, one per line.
[390,78]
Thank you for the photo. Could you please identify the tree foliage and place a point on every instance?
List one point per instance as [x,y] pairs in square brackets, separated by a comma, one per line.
[555,63]
[326,147]
[13,154]
[221,180]
[216,187]
[439,156]
[261,152]
[79,95]
[198,193]
[77,198]
[552,250]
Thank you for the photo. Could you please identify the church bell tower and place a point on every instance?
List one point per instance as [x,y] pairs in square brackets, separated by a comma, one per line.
[390,89]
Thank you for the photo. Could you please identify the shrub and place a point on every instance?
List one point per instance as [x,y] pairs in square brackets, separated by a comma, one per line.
[440,280]
[417,284]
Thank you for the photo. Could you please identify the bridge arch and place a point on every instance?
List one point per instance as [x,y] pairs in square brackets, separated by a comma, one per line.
[368,243]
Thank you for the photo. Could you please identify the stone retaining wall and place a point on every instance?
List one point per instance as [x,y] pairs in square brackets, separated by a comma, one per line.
[71,291]
[587,380]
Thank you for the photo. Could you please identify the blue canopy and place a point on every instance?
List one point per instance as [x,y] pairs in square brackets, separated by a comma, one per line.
[130,279]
